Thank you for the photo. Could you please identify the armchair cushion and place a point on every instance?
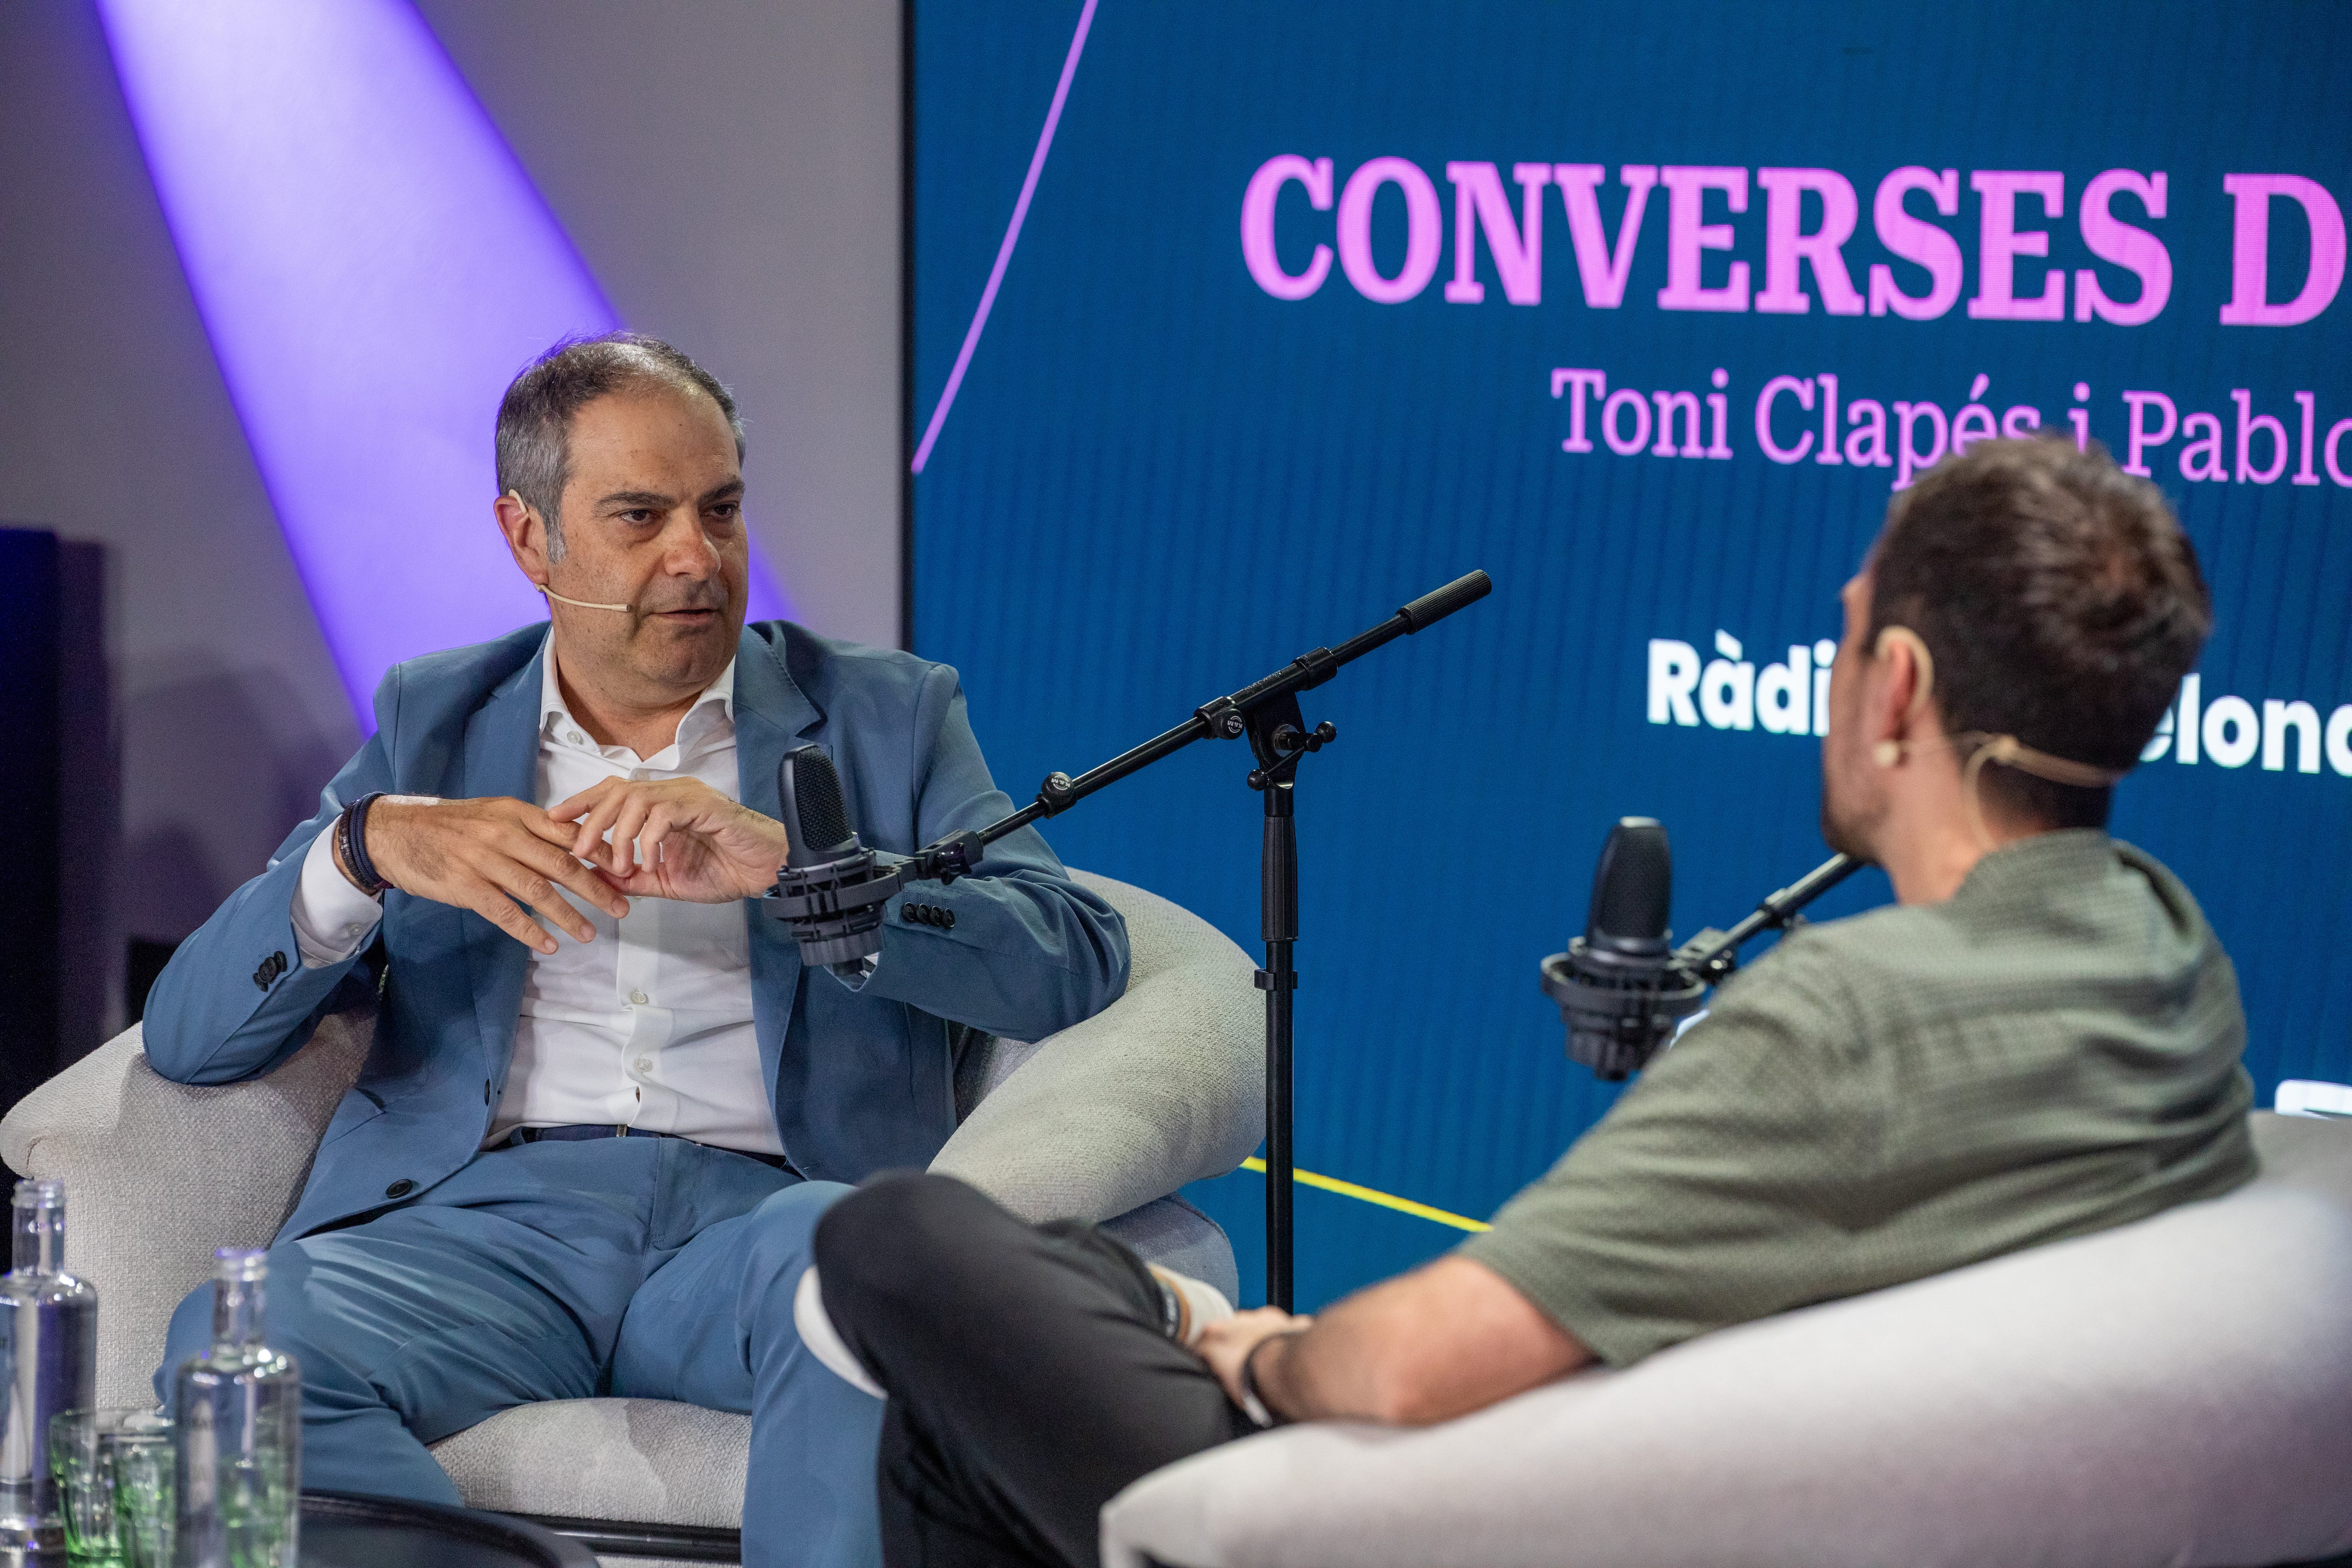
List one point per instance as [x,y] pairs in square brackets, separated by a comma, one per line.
[655,1460]
[2176,1392]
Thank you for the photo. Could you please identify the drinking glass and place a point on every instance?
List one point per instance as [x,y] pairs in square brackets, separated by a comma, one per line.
[82,1445]
[144,1510]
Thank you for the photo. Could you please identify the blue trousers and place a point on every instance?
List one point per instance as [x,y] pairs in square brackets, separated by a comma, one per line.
[648,1267]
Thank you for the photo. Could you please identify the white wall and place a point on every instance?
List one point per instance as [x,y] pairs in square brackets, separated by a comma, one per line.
[729,170]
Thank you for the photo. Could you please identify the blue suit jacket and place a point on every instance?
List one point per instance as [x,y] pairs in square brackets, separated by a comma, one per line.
[856,1082]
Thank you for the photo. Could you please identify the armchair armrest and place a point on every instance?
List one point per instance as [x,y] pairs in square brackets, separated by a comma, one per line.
[1165,1085]
[158,1173]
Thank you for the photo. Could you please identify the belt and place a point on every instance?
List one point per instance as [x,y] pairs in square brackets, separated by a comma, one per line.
[582,1131]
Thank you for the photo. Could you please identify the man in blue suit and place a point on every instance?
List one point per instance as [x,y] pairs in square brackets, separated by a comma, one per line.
[605,1103]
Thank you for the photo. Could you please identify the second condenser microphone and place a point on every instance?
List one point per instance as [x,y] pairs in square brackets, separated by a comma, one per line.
[1617,987]
[831,888]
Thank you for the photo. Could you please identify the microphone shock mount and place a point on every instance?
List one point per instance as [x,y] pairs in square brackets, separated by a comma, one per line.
[1623,992]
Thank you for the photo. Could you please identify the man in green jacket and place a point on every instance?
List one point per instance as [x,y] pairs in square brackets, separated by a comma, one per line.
[2039,1040]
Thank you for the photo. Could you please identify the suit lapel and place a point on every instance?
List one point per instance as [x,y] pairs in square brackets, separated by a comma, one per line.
[773,715]
[501,758]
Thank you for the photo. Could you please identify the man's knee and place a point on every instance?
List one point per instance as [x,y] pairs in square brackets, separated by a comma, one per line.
[291,1321]
[898,1238]
[778,1237]
[284,1322]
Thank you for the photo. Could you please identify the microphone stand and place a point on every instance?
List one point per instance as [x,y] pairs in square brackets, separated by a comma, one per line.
[1712,956]
[1267,712]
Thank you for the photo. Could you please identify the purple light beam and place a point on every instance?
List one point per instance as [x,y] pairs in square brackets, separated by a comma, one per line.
[372,267]
[1012,238]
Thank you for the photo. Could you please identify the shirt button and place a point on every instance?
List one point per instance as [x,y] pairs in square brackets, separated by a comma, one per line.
[641,773]
[645,1064]
[638,998]
[577,738]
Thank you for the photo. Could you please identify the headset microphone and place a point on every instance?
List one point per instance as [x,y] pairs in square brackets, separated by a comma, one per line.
[583,604]
[831,888]
[1619,985]
[516,496]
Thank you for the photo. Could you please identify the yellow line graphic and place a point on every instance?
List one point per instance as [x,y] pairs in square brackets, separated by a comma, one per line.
[1372,1196]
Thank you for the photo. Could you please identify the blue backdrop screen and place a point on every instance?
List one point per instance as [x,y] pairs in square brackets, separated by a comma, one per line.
[1647,311]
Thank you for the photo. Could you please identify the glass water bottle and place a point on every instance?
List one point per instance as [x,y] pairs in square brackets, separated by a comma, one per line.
[48,1364]
[239,1434]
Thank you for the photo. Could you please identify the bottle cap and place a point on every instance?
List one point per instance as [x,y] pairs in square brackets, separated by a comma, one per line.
[241,1264]
[41,1193]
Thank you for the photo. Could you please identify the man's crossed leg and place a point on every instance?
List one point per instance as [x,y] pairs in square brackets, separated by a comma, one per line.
[1030,1370]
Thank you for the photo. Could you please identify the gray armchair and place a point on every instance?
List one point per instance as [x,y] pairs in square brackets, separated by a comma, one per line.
[2175,1393]
[1102,1122]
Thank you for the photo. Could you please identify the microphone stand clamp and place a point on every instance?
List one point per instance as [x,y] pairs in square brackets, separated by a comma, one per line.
[1279,739]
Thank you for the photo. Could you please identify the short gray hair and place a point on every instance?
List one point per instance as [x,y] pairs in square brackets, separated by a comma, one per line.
[534,436]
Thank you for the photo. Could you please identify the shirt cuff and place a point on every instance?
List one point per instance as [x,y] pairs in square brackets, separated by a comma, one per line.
[332,919]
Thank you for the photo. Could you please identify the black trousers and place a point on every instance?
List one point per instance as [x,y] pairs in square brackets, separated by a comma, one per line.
[1029,1376]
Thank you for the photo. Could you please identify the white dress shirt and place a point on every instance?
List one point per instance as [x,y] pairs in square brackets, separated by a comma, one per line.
[649,1025]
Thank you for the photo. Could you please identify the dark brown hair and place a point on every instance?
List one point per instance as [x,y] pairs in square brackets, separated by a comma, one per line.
[534,433]
[2060,599]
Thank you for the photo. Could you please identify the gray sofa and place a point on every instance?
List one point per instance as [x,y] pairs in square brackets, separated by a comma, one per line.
[2173,1394]
[1102,1122]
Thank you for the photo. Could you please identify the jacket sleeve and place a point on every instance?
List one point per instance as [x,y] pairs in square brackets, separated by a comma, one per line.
[235,1000]
[1028,951]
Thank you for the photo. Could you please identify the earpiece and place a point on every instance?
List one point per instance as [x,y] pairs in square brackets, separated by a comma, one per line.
[1887,753]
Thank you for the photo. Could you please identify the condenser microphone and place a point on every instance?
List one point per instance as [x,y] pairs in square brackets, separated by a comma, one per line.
[810,790]
[831,888]
[1619,988]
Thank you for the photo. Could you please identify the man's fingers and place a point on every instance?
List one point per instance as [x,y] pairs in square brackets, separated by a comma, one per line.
[625,828]
[500,911]
[655,832]
[544,826]
[553,908]
[594,823]
[569,810]
[642,884]
[526,885]
[590,848]
[566,871]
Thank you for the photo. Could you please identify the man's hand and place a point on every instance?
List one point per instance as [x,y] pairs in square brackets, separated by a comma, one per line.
[674,838]
[1451,1337]
[1226,1343]
[489,856]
